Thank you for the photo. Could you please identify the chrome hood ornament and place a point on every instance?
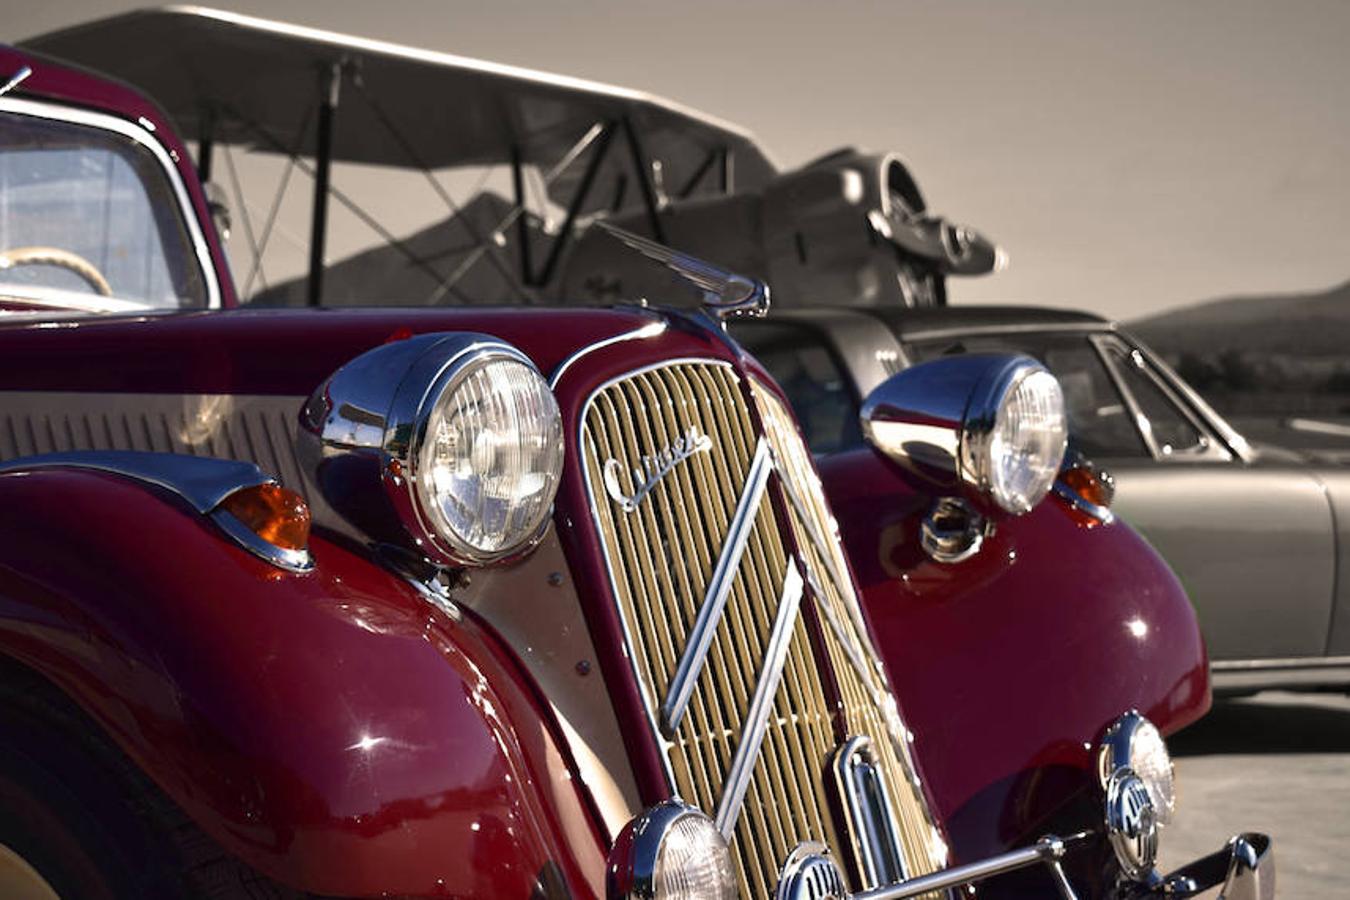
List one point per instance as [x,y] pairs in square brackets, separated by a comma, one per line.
[654,467]
[726,295]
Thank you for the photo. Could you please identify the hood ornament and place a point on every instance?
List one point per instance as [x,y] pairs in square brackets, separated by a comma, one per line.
[726,295]
[654,467]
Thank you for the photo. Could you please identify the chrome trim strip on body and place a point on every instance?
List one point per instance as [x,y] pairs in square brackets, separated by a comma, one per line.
[16,79]
[650,706]
[719,588]
[1077,501]
[107,122]
[1300,662]
[298,561]
[956,331]
[202,481]
[757,718]
[650,330]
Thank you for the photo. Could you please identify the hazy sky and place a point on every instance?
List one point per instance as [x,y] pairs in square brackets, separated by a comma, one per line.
[1129,156]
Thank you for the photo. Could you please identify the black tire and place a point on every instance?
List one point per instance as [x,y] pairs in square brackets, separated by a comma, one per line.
[77,810]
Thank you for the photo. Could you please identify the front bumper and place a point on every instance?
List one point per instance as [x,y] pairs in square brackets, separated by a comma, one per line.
[1244,870]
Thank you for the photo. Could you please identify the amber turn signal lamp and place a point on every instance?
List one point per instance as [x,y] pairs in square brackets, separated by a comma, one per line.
[276,514]
[1096,488]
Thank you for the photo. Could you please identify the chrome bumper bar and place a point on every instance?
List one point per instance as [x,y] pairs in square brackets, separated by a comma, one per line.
[1245,869]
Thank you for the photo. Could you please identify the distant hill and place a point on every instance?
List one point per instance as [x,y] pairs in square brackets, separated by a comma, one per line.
[1300,325]
[1268,356]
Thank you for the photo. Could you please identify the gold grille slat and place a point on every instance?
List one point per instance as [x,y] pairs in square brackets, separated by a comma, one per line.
[662,556]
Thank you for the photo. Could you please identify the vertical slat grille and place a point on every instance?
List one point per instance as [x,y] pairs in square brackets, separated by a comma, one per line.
[662,556]
[869,707]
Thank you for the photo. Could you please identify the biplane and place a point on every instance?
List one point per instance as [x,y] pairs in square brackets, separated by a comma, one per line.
[515,164]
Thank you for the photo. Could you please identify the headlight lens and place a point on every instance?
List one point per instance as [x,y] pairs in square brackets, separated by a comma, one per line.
[672,852]
[1024,450]
[693,862]
[490,456]
[1153,764]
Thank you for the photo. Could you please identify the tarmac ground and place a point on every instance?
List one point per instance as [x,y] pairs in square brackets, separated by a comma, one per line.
[1279,763]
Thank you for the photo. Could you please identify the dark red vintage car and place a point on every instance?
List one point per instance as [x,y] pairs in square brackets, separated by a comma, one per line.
[532,602]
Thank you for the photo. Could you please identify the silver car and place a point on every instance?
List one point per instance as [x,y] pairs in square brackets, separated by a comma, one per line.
[1259,536]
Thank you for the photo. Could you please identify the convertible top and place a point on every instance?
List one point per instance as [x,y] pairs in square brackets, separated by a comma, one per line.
[239,77]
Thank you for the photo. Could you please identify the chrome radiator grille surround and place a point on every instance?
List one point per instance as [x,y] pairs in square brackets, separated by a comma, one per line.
[664,520]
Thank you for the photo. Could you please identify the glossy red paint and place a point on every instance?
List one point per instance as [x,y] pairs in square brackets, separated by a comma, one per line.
[66,84]
[1078,624]
[332,729]
[258,351]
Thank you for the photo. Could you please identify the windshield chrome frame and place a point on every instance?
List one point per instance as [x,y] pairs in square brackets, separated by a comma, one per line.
[59,112]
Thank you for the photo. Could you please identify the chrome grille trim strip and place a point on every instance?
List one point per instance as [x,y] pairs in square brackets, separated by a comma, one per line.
[827,558]
[757,718]
[719,588]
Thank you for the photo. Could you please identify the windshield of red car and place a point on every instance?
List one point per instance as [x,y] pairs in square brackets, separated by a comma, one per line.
[89,221]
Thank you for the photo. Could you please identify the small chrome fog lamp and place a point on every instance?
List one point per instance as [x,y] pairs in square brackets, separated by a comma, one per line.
[670,852]
[996,422]
[1138,779]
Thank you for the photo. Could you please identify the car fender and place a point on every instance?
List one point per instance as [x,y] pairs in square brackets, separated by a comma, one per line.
[1011,664]
[333,729]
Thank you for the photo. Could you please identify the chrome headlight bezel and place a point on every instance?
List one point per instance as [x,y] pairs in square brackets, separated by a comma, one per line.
[634,866]
[369,423]
[987,416]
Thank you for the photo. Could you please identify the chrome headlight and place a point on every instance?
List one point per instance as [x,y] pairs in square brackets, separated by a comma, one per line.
[461,431]
[671,852]
[996,422]
[1014,436]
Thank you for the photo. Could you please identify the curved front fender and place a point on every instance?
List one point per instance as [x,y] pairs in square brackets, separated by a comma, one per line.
[1010,664]
[332,729]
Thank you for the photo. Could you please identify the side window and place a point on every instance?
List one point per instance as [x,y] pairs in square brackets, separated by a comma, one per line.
[1100,424]
[1172,432]
[816,386]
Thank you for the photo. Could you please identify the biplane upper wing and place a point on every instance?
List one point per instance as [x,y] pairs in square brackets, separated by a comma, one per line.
[252,81]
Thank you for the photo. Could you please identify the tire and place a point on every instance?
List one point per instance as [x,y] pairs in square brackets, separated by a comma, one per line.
[86,820]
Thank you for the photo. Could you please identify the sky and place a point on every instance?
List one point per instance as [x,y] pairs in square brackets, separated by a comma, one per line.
[1130,157]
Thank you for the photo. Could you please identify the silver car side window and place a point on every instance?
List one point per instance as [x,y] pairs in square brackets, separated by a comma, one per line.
[1170,431]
